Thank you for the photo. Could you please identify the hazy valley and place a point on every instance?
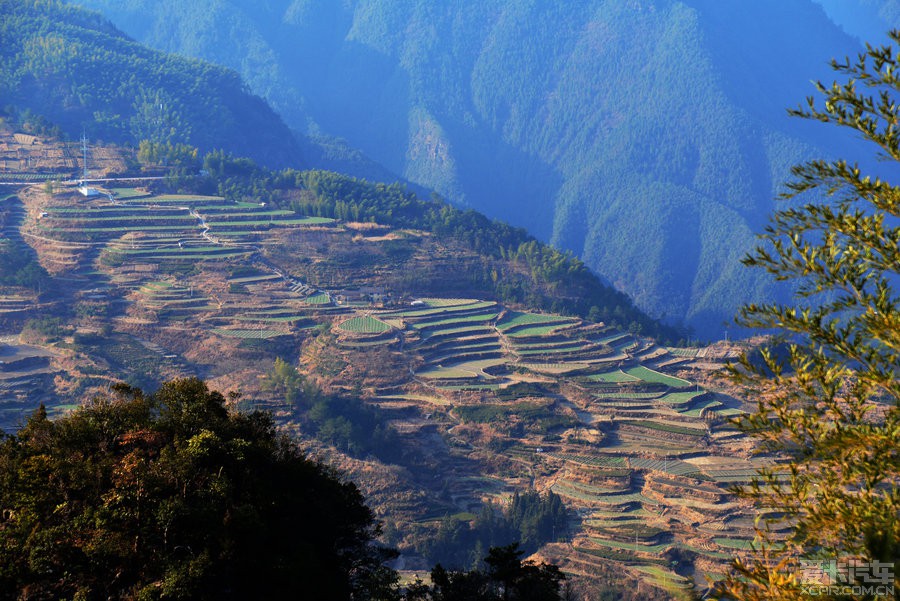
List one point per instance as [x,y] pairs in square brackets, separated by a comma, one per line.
[593,124]
[274,223]
[480,399]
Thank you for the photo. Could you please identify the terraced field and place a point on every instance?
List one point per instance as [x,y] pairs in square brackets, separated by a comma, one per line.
[364,325]
[608,420]
[170,298]
[320,298]
[521,325]
[247,334]
[613,377]
[26,376]
[654,377]
[137,227]
[18,302]
[455,338]
[160,251]
[659,455]
[467,370]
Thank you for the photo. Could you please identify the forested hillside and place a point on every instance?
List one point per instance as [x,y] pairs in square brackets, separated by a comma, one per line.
[868,20]
[526,271]
[646,136]
[79,73]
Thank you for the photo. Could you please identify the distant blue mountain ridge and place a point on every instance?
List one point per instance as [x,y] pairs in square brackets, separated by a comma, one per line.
[649,137]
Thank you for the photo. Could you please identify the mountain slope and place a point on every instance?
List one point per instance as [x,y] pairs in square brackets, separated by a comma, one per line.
[74,68]
[868,20]
[369,321]
[514,266]
[649,137]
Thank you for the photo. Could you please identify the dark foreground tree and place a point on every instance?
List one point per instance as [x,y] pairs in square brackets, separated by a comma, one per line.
[507,578]
[829,402]
[171,496]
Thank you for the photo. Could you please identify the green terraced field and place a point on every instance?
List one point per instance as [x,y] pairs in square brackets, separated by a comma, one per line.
[224,216]
[614,377]
[215,225]
[650,441]
[468,369]
[661,573]
[491,387]
[30,177]
[592,460]
[203,252]
[688,353]
[664,427]
[680,398]
[108,209]
[171,299]
[449,302]
[185,198]
[437,309]
[198,257]
[675,467]
[238,235]
[254,279]
[536,330]
[679,586]
[247,334]
[280,319]
[514,319]
[367,343]
[617,555]
[364,325]
[554,368]
[463,357]
[732,475]
[546,345]
[628,395]
[120,229]
[608,499]
[151,202]
[734,543]
[123,193]
[655,549]
[160,245]
[319,298]
[227,205]
[613,338]
[654,377]
[459,320]
[531,354]
[137,218]
[446,373]
[591,489]
[633,514]
[461,345]
[452,330]
[711,404]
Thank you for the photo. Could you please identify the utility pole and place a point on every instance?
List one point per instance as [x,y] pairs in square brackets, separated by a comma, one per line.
[84,158]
